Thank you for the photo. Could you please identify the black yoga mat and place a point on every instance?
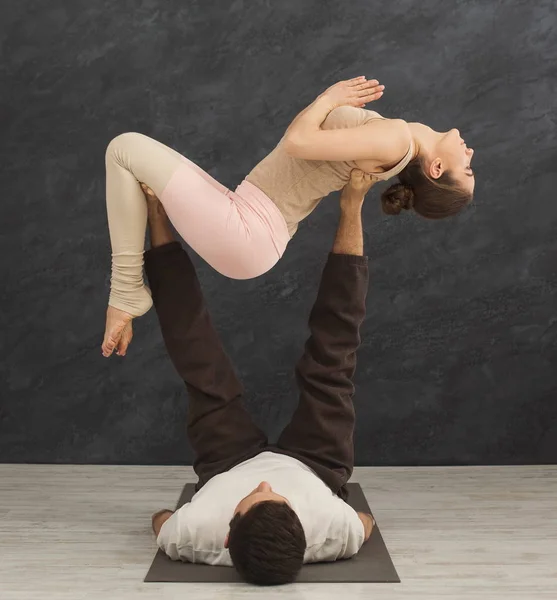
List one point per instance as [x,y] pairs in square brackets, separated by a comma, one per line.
[372,564]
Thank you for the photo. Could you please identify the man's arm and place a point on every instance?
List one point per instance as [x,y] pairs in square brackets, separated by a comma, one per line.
[350,236]
[322,427]
[368,522]
[159,518]
[350,240]
[169,537]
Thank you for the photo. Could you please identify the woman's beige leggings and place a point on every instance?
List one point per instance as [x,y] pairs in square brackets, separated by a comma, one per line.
[240,233]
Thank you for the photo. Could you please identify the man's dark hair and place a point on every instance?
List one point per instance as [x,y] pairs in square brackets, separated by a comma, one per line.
[267,544]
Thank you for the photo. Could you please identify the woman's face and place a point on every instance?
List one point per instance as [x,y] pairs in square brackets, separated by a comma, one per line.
[452,154]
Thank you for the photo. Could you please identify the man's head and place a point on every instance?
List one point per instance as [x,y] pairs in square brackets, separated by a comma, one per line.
[266,539]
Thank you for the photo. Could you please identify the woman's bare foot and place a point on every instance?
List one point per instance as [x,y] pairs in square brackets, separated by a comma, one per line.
[118,333]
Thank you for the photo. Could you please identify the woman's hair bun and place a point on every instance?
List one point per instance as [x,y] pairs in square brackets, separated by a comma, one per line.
[396,198]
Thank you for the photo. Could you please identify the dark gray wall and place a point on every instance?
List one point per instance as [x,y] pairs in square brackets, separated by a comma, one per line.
[459,355]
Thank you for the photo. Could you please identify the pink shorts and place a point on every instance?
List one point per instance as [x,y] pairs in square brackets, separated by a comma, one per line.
[241,233]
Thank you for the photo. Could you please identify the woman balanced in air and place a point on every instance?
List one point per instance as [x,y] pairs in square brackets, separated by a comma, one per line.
[243,233]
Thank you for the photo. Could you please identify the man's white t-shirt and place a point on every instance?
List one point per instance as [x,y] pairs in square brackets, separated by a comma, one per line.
[196,532]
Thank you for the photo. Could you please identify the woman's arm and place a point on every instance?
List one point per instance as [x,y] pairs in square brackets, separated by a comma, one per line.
[353,92]
[384,140]
[299,116]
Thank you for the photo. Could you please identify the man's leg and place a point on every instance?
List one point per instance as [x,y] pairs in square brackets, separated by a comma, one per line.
[220,430]
[322,429]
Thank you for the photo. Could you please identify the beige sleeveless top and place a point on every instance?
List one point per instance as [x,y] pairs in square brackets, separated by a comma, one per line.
[297,186]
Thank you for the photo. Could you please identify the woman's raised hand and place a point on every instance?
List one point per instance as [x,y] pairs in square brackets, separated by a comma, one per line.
[353,92]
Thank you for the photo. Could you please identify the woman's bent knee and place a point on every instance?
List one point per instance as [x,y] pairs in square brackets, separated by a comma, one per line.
[121,142]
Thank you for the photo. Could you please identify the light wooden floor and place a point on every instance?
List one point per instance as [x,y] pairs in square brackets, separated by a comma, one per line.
[73,532]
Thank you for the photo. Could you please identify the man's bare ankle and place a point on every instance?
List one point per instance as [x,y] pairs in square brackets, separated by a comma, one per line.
[156,211]
[161,242]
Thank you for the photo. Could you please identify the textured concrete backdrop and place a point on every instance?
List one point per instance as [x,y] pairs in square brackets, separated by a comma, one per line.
[458,363]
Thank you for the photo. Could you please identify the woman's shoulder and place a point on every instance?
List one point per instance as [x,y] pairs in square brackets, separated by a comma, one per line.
[392,144]
[349,116]
[353,116]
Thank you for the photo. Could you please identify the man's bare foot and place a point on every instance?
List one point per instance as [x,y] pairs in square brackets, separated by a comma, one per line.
[160,231]
[118,333]
[153,203]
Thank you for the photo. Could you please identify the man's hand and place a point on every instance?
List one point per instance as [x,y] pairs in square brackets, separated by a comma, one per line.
[368,523]
[360,183]
[159,518]
[355,190]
